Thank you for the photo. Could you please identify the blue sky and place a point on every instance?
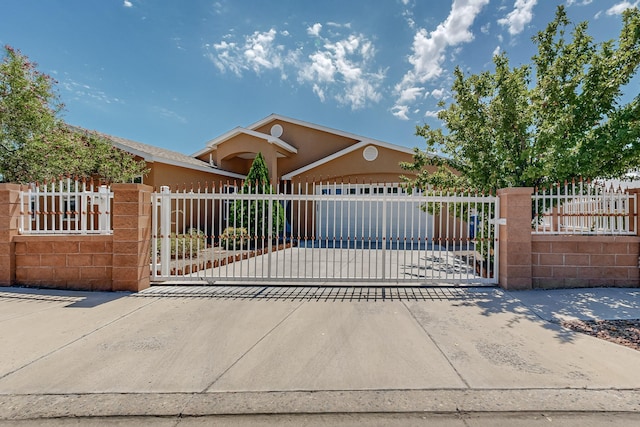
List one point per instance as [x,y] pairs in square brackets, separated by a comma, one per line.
[178,73]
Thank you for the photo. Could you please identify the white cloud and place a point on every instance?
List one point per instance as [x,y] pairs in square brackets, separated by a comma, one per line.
[429,49]
[400,111]
[88,94]
[319,92]
[345,63]
[433,114]
[579,2]
[127,3]
[169,114]
[438,93]
[339,68]
[496,51]
[259,52]
[410,94]
[337,25]
[520,16]
[314,30]
[485,28]
[618,8]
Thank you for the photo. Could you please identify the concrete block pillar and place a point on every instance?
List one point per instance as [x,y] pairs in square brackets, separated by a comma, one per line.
[9,226]
[131,236]
[515,238]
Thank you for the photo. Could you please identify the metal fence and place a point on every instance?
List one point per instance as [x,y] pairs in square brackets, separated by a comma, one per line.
[323,232]
[67,206]
[584,208]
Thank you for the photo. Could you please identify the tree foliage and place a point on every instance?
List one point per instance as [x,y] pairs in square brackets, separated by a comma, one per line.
[252,215]
[559,118]
[36,145]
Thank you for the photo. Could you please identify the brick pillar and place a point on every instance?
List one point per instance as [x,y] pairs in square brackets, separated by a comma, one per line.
[9,225]
[131,236]
[515,239]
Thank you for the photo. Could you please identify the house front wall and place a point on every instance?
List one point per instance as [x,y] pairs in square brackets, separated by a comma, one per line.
[175,176]
[312,144]
[353,167]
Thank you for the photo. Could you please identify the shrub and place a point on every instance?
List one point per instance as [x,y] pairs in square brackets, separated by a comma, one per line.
[186,245]
[234,238]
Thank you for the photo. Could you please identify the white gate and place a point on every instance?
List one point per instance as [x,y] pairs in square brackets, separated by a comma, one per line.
[324,233]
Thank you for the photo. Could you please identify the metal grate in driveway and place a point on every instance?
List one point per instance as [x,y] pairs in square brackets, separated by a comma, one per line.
[313,293]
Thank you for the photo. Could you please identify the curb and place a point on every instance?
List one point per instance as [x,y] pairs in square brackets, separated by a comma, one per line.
[444,401]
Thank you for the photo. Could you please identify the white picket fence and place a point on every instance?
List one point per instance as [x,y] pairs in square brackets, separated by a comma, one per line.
[584,208]
[66,206]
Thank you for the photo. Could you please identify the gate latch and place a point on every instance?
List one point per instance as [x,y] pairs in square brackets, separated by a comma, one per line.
[500,221]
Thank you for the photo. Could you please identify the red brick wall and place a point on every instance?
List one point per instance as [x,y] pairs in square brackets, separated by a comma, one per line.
[584,261]
[64,262]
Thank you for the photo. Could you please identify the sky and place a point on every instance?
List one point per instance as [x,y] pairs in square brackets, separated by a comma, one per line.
[177,74]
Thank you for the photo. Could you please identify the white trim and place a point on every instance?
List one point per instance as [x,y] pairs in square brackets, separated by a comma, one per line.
[240,130]
[324,160]
[326,129]
[341,153]
[150,158]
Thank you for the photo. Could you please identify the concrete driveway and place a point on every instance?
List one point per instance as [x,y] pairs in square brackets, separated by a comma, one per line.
[255,350]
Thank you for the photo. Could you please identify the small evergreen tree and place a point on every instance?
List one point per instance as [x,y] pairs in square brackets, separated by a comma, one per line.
[252,214]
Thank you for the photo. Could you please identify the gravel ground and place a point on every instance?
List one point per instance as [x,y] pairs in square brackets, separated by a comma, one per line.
[623,332]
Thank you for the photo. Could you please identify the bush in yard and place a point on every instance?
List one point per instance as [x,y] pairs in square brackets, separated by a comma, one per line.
[251,215]
[185,245]
[234,238]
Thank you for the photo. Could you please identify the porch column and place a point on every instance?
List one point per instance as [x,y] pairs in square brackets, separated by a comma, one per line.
[9,226]
[515,238]
[131,236]
[272,163]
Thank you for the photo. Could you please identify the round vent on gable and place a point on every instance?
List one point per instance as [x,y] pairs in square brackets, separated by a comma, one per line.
[276,131]
[370,153]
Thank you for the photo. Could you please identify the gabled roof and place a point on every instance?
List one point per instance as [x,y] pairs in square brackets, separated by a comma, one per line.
[326,129]
[150,154]
[240,130]
[336,155]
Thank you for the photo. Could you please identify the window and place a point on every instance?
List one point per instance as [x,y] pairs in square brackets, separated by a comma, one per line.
[69,207]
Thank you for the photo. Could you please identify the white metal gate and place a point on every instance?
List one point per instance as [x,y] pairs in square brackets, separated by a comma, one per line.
[324,233]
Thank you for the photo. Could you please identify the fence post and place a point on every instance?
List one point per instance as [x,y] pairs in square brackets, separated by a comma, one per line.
[515,239]
[103,209]
[165,229]
[633,210]
[131,236]
[9,226]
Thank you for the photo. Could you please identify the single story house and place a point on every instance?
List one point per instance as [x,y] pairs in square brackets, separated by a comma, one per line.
[294,150]
[297,153]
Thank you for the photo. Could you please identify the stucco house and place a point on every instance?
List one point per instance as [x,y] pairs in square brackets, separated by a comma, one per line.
[294,150]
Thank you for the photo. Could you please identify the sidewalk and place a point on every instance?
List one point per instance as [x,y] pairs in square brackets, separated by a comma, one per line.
[173,351]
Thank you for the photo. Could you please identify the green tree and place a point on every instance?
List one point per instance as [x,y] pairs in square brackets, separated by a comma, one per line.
[557,119]
[252,215]
[36,145]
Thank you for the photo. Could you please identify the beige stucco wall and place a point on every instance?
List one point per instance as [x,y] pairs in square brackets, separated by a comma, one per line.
[312,145]
[352,167]
[163,174]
